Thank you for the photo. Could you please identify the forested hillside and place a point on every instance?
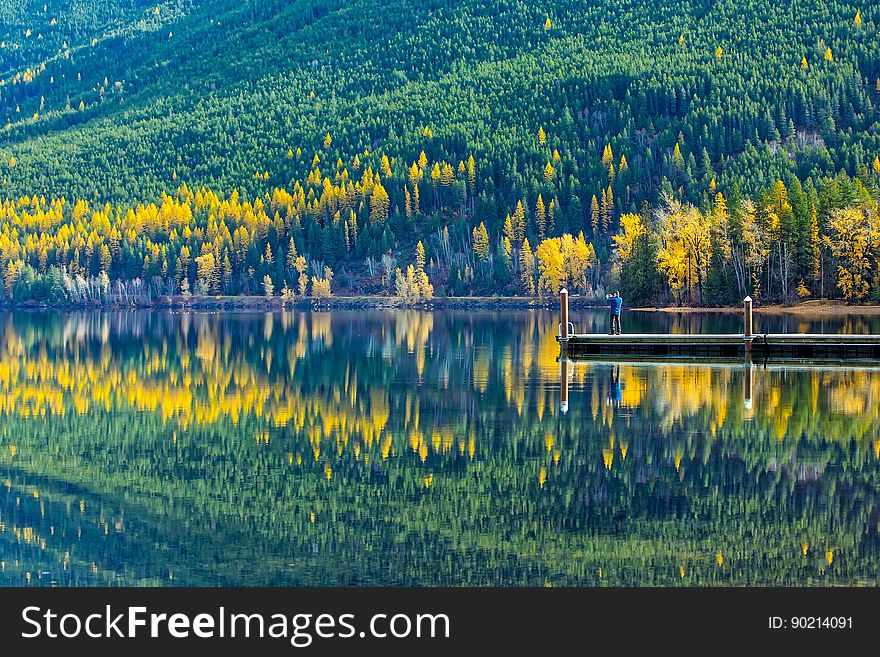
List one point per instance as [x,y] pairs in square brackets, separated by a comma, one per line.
[690,153]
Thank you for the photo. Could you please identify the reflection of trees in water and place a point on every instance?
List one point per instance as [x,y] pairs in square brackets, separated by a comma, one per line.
[424,448]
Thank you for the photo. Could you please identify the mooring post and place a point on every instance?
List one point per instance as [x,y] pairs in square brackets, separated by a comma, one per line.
[747,323]
[563,316]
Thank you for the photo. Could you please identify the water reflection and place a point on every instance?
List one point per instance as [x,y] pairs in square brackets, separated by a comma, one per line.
[420,448]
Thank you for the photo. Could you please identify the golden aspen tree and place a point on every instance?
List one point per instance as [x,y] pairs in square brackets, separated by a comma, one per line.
[542,136]
[416,201]
[854,232]
[385,167]
[407,202]
[551,266]
[828,56]
[876,164]
[631,229]
[549,172]
[270,259]
[548,24]
[718,52]
[327,141]
[804,64]
[423,160]
[857,21]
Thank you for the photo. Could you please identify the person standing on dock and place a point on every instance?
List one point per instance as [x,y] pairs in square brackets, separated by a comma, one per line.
[615,303]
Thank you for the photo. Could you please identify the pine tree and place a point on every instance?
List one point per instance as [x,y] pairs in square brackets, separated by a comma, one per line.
[677,157]
[541,218]
[518,223]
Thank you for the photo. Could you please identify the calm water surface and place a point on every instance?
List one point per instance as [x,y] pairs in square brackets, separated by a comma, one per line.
[411,448]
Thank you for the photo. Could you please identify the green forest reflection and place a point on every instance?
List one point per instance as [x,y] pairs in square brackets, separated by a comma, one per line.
[410,448]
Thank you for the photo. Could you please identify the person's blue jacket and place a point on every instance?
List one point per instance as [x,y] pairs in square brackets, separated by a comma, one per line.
[615,303]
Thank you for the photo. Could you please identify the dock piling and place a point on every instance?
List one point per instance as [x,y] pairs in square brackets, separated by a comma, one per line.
[563,315]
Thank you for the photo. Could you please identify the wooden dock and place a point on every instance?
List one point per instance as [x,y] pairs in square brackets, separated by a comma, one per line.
[802,346]
[768,345]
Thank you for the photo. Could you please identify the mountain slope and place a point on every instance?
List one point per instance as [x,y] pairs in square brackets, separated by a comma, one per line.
[228,90]
[357,129]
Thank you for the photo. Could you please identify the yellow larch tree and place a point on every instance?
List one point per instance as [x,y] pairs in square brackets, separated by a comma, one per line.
[527,268]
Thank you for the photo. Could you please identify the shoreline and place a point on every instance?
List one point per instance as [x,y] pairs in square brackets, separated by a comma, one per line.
[263,304]
[804,308]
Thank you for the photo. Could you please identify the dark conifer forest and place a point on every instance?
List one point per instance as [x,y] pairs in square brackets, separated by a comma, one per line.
[686,153]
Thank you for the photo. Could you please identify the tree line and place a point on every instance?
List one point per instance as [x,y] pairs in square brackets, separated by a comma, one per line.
[416,230]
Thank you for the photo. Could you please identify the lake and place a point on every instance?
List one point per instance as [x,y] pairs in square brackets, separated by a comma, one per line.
[425,448]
